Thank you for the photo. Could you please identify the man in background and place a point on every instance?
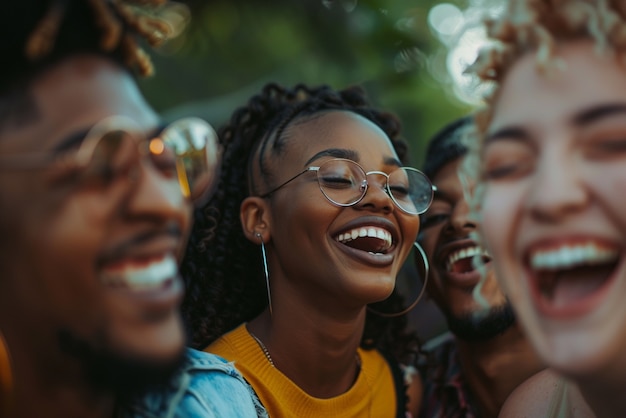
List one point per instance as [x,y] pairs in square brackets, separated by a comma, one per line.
[470,373]
[95,209]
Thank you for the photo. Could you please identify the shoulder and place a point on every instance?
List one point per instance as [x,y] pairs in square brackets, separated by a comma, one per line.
[439,362]
[534,397]
[414,389]
[207,386]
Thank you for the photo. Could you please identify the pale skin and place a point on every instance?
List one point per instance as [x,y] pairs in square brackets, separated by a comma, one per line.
[51,268]
[318,312]
[493,368]
[554,168]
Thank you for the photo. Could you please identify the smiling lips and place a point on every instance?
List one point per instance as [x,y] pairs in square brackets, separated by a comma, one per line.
[568,279]
[141,275]
[372,239]
[461,260]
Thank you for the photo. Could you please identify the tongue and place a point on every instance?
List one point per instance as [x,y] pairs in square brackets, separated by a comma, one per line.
[369,244]
[576,284]
[463,265]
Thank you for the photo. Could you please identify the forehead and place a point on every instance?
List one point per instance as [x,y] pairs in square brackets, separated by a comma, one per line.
[584,78]
[73,96]
[449,172]
[338,129]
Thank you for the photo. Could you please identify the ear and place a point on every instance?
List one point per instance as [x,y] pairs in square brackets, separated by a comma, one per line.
[255,219]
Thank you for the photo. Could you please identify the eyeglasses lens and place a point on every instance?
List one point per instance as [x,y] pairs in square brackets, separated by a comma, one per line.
[186,149]
[194,145]
[344,183]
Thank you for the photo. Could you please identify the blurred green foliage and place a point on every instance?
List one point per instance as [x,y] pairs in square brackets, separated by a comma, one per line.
[232,48]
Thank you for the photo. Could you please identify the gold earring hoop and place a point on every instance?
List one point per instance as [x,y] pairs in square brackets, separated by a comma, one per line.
[266,272]
[426,266]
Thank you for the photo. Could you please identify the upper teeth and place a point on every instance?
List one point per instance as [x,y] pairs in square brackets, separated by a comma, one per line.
[370,231]
[145,277]
[573,255]
[467,252]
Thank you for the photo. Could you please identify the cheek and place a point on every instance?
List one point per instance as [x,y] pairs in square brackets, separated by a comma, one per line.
[500,213]
[428,240]
[609,185]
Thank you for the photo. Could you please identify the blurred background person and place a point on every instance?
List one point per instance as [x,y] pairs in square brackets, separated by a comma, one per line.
[551,199]
[95,209]
[472,371]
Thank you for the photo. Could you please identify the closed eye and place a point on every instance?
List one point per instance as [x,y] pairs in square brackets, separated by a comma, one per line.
[337,182]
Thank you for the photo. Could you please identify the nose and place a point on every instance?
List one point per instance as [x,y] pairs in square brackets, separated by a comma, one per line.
[556,190]
[376,196]
[158,198]
[460,222]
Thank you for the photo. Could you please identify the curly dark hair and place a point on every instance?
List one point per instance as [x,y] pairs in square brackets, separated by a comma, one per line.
[38,34]
[223,269]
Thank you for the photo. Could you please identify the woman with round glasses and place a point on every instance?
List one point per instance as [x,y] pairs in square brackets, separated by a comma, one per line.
[312,219]
[553,165]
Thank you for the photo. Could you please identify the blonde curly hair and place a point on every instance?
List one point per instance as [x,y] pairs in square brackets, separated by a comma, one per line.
[539,26]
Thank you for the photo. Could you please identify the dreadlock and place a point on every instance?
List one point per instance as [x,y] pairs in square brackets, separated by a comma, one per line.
[222,269]
[40,33]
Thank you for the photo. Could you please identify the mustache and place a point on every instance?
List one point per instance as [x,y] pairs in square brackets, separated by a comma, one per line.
[169,231]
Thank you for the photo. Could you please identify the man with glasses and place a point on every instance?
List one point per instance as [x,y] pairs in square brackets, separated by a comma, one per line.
[471,374]
[95,209]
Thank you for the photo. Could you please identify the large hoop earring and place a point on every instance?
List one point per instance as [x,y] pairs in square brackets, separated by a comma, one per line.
[419,296]
[266,272]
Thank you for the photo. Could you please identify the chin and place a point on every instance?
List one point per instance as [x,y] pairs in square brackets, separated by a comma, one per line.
[579,354]
[125,371]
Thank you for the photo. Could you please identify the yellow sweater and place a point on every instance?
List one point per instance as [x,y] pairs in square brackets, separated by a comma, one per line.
[372,395]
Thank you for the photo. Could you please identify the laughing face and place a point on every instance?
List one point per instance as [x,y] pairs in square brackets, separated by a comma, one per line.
[554,158]
[91,263]
[452,252]
[342,257]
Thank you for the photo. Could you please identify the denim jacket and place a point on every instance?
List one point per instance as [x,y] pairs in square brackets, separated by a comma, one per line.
[206,386]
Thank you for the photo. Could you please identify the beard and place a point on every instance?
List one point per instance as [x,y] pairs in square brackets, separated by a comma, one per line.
[476,327]
[127,377]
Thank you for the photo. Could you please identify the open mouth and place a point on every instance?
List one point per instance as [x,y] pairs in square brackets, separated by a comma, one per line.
[141,274]
[372,239]
[464,260]
[568,275]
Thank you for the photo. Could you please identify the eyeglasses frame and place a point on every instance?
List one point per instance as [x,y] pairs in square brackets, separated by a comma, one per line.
[364,185]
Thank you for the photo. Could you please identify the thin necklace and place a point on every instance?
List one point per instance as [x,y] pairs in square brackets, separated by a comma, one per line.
[263,347]
[269,358]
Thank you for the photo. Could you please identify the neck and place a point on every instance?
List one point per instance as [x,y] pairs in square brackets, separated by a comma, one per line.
[316,352]
[495,367]
[604,396]
[46,383]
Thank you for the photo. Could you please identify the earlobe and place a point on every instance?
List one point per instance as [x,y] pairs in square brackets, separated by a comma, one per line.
[255,219]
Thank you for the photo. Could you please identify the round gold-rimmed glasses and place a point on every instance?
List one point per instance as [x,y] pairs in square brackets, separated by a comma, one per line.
[186,148]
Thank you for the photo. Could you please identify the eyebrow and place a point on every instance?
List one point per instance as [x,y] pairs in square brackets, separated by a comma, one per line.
[392,161]
[335,152]
[349,155]
[595,113]
[582,118]
[440,194]
[509,132]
